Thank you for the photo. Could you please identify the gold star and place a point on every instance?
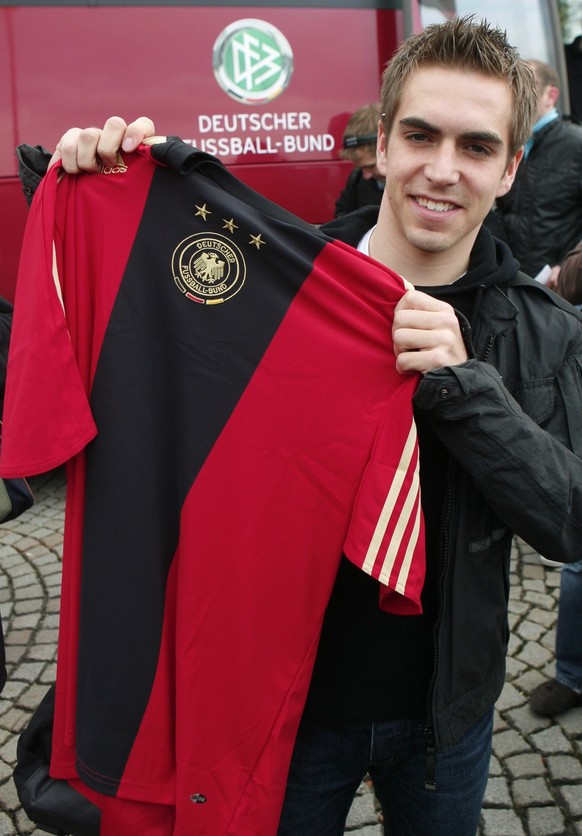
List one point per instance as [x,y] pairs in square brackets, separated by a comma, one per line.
[230,225]
[203,211]
[256,240]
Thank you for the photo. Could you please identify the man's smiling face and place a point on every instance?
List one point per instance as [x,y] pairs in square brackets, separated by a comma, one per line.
[446,158]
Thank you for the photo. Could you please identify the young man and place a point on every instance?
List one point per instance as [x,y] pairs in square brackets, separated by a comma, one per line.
[499,414]
[365,184]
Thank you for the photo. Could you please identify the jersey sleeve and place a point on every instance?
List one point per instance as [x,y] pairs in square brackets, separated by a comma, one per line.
[47,417]
[386,533]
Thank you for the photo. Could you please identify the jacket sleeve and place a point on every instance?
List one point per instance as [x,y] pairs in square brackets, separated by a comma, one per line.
[5,329]
[32,166]
[529,478]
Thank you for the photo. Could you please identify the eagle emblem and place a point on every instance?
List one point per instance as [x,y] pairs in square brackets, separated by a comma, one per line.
[208,268]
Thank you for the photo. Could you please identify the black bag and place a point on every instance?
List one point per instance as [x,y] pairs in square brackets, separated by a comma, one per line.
[53,805]
[16,497]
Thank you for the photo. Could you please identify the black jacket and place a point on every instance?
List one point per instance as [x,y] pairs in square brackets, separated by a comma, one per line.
[5,328]
[541,216]
[510,420]
[358,192]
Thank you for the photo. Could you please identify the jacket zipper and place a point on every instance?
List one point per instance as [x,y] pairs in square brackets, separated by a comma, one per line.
[487,351]
[429,736]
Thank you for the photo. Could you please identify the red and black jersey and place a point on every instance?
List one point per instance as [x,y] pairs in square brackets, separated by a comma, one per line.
[219,378]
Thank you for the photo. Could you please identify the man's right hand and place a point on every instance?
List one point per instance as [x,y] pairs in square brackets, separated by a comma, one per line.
[87,149]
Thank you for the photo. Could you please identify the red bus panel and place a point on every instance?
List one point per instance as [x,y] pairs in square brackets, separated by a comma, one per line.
[266,88]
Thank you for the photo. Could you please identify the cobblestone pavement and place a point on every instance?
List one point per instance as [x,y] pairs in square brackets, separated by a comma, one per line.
[535,783]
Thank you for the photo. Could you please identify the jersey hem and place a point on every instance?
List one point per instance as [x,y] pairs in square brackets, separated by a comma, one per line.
[43,466]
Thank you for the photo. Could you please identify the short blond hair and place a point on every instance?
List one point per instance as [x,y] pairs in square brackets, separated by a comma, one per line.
[546,76]
[361,132]
[465,44]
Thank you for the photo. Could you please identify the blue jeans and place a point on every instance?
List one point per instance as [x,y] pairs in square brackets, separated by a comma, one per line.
[329,763]
[569,630]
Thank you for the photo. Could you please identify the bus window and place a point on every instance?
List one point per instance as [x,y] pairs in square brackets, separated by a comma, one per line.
[533,26]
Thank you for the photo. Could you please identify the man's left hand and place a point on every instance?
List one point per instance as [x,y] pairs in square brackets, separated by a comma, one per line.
[426,334]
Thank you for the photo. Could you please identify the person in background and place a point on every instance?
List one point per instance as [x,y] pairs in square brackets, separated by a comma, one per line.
[410,699]
[567,281]
[564,691]
[541,216]
[365,183]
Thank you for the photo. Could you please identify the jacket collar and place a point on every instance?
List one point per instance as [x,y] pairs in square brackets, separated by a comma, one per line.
[496,316]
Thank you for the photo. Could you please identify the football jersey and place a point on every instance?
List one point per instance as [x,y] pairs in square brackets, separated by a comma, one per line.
[219,378]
